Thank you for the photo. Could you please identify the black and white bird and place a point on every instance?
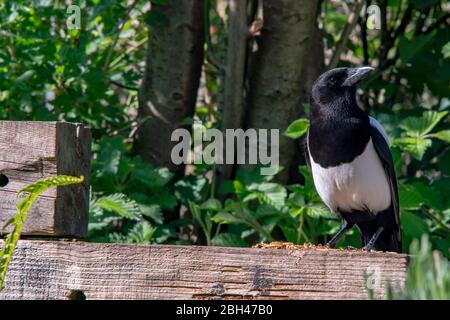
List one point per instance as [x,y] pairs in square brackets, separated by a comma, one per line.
[351,163]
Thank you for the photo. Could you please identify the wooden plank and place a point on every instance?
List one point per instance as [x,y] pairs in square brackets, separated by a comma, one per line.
[58,269]
[30,150]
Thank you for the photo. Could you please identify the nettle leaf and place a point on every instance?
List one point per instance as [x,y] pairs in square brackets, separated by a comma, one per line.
[410,198]
[226,218]
[142,232]
[319,211]
[413,225]
[420,126]
[211,204]
[415,146]
[152,211]
[228,240]
[152,177]
[110,155]
[271,193]
[430,195]
[444,135]
[191,188]
[120,204]
[297,128]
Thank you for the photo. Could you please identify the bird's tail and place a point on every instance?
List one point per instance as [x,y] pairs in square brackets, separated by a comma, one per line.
[389,240]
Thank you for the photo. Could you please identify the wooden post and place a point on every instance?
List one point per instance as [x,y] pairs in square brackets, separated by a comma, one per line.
[63,269]
[34,150]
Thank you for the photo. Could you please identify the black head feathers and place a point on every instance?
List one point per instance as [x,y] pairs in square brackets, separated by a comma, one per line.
[337,84]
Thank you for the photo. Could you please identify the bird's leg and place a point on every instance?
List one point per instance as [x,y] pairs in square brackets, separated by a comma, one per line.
[374,239]
[344,228]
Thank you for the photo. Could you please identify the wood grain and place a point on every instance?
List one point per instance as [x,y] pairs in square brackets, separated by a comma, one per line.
[58,269]
[34,150]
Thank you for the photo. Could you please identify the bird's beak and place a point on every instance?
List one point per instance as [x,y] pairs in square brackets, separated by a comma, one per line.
[355,75]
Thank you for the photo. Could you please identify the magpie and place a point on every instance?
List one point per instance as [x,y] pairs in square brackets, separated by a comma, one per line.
[351,162]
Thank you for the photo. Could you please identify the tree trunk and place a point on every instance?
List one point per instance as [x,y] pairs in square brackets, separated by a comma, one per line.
[173,67]
[233,108]
[278,69]
[314,67]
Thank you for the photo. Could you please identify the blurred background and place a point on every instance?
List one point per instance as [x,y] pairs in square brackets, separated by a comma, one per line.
[134,71]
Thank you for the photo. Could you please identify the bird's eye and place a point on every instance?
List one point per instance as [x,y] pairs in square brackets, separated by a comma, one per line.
[332,82]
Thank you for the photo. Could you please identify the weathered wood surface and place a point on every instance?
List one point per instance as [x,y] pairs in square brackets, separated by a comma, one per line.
[33,150]
[58,269]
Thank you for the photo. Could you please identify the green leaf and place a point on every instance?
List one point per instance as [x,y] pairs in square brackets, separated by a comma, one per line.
[142,232]
[446,50]
[226,218]
[319,211]
[211,204]
[154,178]
[420,126]
[122,205]
[271,193]
[410,198]
[413,225]
[444,162]
[297,128]
[152,211]
[228,240]
[421,4]
[443,135]
[409,49]
[290,233]
[415,146]
[191,188]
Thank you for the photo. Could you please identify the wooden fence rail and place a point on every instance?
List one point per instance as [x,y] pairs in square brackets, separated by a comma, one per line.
[62,269]
[75,269]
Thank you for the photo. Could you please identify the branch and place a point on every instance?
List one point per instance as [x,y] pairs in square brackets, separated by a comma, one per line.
[437,23]
[407,16]
[209,54]
[351,22]
[363,26]
[258,22]
[421,21]
[385,32]
[124,86]
[116,39]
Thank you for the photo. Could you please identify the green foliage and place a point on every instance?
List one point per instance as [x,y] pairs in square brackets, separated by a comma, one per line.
[133,199]
[117,203]
[428,275]
[48,72]
[29,193]
[297,128]
[416,136]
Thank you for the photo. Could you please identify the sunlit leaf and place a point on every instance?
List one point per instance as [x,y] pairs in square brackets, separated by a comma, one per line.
[415,146]
[297,128]
[420,126]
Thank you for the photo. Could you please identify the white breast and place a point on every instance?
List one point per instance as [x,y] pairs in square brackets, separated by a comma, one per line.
[359,185]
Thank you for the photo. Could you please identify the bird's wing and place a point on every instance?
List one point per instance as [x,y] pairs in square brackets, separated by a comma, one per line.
[306,150]
[381,143]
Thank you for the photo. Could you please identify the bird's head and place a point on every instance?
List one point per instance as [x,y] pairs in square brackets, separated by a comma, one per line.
[338,83]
